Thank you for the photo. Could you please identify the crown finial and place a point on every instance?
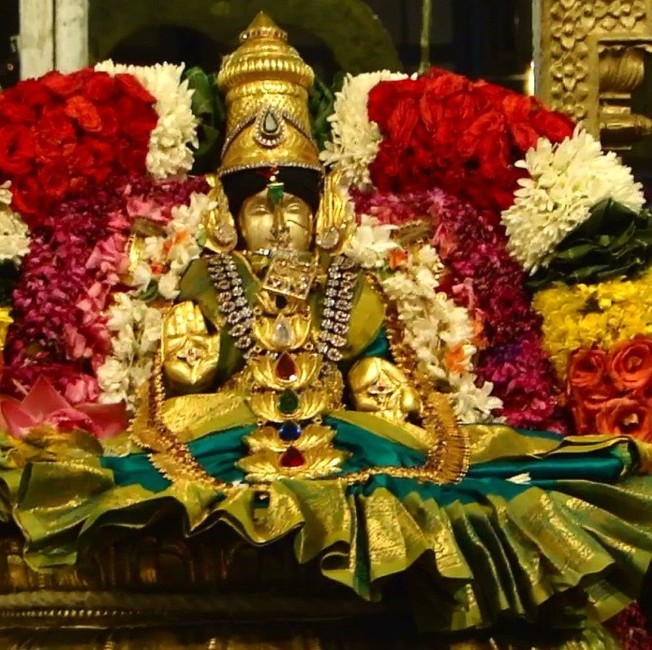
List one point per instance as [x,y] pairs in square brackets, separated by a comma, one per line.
[262,26]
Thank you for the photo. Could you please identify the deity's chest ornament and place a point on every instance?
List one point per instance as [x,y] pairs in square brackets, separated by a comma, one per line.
[291,378]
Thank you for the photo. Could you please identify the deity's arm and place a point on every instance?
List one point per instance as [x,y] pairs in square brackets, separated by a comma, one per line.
[190,354]
[377,385]
[191,346]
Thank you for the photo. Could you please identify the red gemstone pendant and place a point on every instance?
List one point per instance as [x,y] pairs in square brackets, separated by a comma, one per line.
[292,457]
[286,369]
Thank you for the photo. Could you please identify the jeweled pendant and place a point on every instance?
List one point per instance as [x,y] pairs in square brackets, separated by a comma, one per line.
[288,402]
[282,336]
[286,368]
[289,432]
[275,193]
[292,457]
[270,124]
[329,240]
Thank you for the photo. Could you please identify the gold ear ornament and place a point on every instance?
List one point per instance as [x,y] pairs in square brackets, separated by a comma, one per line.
[334,219]
[218,222]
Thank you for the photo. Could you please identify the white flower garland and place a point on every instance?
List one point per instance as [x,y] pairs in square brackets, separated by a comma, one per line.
[565,181]
[441,334]
[439,331]
[370,243]
[136,327]
[136,330]
[355,138]
[165,258]
[176,130]
[14,234]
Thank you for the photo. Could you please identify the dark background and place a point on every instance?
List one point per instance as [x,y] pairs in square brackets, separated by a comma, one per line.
[475,37]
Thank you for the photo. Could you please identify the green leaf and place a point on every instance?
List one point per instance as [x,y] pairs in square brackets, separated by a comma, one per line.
[613,242]
[203,103]
[207,105]
[321,106]
[150,293]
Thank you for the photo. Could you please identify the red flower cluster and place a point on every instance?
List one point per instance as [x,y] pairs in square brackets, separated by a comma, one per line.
[631,628]
[612,392]
[444,130]
[60,135]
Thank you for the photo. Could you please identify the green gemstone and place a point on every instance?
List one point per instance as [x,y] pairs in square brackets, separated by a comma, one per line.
[270,124]
[275,193]
[288,402]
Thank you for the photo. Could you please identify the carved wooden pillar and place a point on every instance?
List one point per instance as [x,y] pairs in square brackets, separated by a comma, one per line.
[590,58]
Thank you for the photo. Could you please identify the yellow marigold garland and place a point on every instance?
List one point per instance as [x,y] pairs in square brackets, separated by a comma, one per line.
[601,314]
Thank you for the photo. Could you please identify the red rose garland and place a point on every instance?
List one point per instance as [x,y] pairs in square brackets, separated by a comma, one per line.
[60,135]
[444,130]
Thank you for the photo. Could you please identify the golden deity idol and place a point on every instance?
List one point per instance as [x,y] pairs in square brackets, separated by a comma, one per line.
[274,322]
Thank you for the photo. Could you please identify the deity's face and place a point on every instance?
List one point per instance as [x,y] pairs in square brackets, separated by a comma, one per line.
[263,224]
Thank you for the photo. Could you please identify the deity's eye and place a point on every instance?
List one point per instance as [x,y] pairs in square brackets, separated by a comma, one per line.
[294,206]
[258,208]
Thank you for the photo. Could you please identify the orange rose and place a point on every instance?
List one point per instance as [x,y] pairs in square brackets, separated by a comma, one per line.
[594,398]
[630,365]
[582,417]
[587,368]
[626,416]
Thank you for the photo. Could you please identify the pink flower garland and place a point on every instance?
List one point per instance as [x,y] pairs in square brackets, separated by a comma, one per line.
[484,278]
[67,280]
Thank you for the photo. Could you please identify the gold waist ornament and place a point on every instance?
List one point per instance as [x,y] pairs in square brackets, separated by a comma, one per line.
[278,403]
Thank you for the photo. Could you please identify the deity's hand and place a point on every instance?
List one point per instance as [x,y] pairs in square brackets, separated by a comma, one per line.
[379,387]
[190,353]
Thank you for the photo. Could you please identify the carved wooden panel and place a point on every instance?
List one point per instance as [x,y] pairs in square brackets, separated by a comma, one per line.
[590,58]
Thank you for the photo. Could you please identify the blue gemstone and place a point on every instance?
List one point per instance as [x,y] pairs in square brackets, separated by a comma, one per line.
[289,431]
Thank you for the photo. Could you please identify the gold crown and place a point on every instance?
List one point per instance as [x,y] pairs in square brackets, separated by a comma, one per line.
[266,84]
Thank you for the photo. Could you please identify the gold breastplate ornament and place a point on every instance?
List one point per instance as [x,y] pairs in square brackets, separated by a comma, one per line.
[291,378]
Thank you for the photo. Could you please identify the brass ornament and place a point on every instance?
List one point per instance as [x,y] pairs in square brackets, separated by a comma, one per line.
[265,461]
[264,370]
[283,332]
[290,274]
[190,352]
[379,387]
[334,220]
[323,396]
[266,85]
[589,54]
[218,222]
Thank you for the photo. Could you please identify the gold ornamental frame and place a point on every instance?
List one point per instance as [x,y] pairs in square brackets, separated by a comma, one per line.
[590,59]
